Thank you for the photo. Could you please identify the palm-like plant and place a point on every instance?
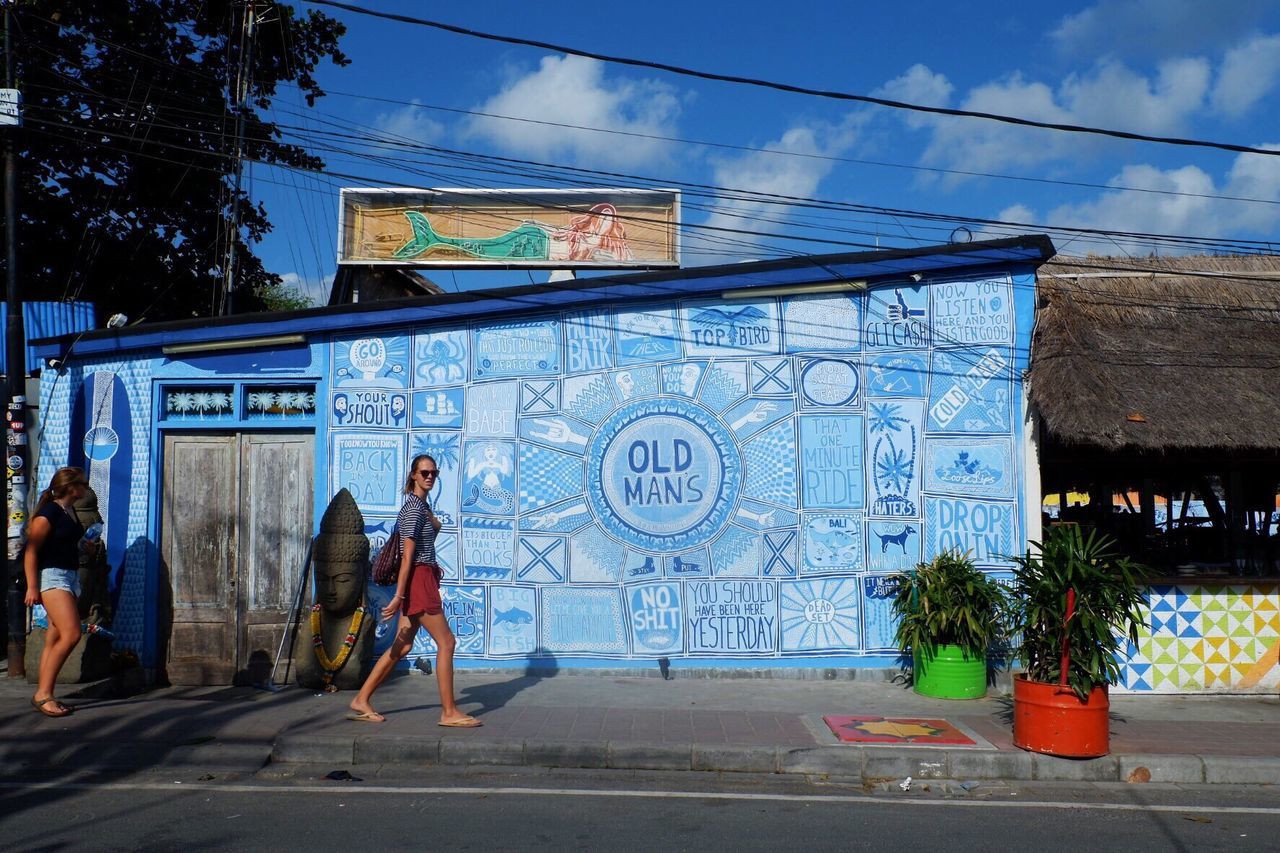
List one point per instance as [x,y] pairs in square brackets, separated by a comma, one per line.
[1105,589]
[947,601]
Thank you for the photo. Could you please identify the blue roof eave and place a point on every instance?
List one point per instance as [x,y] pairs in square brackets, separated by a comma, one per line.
[703,281]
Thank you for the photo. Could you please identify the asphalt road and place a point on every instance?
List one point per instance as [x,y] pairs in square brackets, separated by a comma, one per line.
[456,809]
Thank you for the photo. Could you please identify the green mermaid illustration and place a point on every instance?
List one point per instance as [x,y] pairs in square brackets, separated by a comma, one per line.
[597,235]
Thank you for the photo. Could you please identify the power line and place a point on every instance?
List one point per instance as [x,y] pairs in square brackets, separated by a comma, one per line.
[720,192]
[699,142]
[825,204]
[743,195]
[801,90]
[1184,241]
[1132,266]
[750,149]
[964,357]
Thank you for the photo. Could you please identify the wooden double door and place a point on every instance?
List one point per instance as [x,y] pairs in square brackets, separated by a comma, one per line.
[236,518]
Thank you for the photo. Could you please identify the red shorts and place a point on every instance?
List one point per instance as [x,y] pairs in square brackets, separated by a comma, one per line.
[424,591]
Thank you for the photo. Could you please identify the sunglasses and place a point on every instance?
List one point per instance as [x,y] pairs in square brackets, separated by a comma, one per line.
[428,472]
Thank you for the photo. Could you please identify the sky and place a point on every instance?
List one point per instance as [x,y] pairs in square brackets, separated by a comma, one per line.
[1177,68]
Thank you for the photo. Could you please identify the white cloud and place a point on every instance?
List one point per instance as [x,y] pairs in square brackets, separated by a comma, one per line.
[1256,176]
[1018,214]
[776,174]
[1156,28]
[411,123]
[572,90]
[1113,95]
[1108,95]
[979,145]
[1249,72]
[918,85]
[1190,202]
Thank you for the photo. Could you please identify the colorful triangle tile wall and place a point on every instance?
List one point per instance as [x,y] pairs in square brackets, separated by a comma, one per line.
[1205,637]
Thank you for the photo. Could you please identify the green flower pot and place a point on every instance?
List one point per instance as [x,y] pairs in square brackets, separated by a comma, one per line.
[950,674]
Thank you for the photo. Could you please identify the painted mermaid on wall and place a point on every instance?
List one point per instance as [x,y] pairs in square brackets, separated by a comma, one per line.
[488,481]
[597,235]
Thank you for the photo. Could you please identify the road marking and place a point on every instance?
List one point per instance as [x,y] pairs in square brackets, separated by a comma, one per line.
[453,791]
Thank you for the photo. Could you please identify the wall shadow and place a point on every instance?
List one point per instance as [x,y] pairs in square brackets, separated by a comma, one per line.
[542,664]
[144,556]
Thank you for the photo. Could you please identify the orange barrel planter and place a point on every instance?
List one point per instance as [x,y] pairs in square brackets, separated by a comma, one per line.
[1051,719]
[950,674]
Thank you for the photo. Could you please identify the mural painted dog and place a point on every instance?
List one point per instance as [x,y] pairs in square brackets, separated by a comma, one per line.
[899,538]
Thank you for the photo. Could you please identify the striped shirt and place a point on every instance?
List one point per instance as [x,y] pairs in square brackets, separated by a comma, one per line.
[415,524]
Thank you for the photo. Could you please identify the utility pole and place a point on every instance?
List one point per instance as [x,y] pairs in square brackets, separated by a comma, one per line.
[15,366]
[244,74]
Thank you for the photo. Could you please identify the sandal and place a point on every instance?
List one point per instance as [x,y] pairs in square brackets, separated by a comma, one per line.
[464,722]
[62,711]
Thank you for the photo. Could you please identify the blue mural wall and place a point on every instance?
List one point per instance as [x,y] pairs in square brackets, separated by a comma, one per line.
[108,418]
[97,416]
[697,478]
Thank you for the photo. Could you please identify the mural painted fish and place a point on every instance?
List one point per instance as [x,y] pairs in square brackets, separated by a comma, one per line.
[527,241]
[514,616]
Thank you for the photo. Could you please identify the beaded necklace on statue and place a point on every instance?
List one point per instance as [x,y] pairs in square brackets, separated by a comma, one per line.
[331,667]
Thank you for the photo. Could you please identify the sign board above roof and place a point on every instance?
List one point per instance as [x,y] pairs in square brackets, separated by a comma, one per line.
[556,229]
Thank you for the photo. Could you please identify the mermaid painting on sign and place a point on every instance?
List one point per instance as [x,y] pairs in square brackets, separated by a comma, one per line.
[597,235]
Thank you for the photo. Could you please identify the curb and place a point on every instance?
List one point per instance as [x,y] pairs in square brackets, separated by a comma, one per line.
[68,754]
[870,764]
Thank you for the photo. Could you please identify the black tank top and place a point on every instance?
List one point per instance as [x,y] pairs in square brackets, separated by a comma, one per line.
[61,548]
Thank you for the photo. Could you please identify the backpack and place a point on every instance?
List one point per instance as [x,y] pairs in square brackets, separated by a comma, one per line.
[386,566]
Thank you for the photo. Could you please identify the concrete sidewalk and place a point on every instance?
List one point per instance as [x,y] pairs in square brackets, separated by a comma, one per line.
[605,720]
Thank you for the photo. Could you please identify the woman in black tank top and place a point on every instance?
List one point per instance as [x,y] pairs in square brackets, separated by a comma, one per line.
[51,563]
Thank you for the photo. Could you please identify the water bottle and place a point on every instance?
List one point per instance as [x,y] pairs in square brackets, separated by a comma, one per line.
[93,532]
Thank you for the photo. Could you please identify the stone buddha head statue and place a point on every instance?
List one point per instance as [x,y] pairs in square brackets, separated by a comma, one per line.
[340,557]
[339,588]
[339,564]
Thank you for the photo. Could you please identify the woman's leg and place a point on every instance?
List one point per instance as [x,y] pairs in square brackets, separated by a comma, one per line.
[399,648]
[60,638]
[438,627]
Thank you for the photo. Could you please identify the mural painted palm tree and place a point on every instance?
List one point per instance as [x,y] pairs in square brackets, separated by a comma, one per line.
[295,402]
[262,401]
[181,402]
[281,401]
[894,469]
[886,418]
[895,466]
[442,447]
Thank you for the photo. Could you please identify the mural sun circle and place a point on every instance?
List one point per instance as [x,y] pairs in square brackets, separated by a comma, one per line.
[666,474]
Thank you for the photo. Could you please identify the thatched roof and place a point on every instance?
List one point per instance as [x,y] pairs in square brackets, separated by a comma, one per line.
[1159,353]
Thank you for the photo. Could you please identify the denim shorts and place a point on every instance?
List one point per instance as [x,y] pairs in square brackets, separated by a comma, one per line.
[68,579]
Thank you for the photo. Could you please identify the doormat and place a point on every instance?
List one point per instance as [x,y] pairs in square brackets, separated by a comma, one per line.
[898,731]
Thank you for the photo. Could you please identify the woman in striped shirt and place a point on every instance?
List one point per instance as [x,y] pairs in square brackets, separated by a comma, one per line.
[417,599]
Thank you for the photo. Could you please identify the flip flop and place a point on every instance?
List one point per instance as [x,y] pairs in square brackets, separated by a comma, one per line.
[464,723]
[40,706]
[366,717]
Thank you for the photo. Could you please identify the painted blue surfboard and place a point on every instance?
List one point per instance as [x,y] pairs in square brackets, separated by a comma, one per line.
[102,444]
